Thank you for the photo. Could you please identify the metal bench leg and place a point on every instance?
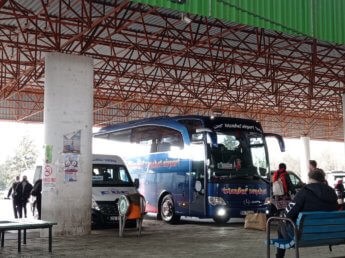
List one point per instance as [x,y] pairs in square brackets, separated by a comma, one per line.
[268,238]
[50,239]
[19,240]
[140,224]
[2,238]
[24,238]
[296,250]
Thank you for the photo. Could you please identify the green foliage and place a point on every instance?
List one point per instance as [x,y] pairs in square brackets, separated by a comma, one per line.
[24,158]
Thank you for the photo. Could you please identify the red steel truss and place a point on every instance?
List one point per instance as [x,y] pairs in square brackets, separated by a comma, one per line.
[149,62]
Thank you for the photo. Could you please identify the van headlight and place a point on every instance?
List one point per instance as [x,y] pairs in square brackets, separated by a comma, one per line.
[214,201]
[94,205]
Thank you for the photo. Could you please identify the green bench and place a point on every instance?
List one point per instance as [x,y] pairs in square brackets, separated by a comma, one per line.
[311,229]
[23,225]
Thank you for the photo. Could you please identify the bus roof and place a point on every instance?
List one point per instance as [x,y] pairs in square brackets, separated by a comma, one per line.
[209,122]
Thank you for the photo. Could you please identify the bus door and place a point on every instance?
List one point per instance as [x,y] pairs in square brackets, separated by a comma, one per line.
[197,179]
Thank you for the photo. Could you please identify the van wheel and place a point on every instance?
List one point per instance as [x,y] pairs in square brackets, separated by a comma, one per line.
[168,210]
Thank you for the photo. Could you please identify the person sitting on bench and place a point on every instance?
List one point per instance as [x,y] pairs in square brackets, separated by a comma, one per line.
[315,196]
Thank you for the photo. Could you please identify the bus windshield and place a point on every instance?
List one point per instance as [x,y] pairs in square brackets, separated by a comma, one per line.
[239,154]
[110,175]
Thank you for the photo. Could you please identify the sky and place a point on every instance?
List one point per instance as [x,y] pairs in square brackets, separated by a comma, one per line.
[328,154]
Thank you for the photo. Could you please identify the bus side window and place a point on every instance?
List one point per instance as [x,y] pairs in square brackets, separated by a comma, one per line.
[157,138]
[169,139]
[146,137]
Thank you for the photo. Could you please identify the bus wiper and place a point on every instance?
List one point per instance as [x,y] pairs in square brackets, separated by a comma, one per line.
[240,176]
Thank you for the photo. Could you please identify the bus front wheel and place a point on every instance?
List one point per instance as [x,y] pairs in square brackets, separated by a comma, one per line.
[168,210]
[221,221]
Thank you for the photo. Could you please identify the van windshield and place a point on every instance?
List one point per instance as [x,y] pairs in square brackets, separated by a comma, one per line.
[110,175]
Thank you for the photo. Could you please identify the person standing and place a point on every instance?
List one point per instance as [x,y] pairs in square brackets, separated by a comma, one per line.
[282,198]
[23,191]
[281,174]
[37,192]
[339,188]
[312,165]
[11,193]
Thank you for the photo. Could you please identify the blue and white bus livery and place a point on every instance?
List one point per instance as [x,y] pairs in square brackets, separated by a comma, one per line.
[195,165]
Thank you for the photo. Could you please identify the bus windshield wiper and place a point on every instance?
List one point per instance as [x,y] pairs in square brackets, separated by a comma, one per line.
[240,176]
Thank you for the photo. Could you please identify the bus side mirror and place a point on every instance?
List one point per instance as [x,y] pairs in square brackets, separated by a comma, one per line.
[279,138]
[197,137]
[136,183]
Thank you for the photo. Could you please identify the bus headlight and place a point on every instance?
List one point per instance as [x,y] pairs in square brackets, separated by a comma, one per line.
[94,205]
[267,201]
[221,212]
[214,201]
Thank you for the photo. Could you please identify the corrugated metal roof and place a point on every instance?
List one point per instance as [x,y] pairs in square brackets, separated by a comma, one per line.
[322,19]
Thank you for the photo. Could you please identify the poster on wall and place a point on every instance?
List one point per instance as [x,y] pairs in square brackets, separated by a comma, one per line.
[71,142]
[71,166]
[48,154]
[49,178]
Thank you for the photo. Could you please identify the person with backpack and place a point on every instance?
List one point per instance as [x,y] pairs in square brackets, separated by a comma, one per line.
[282,188]
[37,192]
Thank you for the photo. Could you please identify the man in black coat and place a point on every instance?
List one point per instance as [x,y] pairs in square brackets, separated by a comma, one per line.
[37,192]
[11,193]
[23,191]
[315,196]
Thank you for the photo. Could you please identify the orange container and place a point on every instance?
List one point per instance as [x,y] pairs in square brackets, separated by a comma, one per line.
[134,211]
[134,207]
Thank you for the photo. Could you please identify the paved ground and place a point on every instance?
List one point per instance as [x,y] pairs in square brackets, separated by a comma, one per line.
[189,239]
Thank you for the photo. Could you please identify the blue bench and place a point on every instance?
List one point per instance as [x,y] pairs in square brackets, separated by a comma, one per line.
[310,229]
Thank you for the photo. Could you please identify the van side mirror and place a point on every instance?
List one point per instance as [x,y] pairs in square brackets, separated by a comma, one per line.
[136,183]
[279,138]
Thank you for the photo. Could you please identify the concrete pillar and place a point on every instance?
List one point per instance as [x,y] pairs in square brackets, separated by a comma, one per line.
[305,157]
[68,108]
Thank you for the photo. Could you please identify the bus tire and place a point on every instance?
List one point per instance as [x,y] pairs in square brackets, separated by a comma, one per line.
[221,221]
[167,210]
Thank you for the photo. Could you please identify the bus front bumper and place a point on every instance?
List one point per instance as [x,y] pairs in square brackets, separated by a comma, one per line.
[235,212]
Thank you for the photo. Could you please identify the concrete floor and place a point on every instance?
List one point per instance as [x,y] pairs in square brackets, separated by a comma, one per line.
[188,239]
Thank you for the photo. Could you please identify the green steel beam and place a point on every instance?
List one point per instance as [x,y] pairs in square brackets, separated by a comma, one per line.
[320,19]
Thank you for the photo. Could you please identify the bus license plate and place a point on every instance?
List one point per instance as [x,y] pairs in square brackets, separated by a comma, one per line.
[113,218]
[246,212]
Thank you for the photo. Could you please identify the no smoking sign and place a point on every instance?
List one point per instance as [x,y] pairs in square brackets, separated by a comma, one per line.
[48,170]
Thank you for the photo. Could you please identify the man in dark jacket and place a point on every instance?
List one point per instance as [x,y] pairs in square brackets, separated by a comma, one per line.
[23,191]
[11,193]
[36,191]
[315,196]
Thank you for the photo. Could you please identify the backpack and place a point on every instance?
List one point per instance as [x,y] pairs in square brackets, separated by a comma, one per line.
[278,188]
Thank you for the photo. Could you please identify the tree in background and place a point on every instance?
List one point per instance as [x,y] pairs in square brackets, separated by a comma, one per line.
[24,158]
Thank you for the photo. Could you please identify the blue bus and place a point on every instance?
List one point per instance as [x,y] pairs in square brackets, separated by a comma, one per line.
[198,166]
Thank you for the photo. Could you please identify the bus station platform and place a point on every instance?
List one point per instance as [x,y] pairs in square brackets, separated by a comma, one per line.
[189,239]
